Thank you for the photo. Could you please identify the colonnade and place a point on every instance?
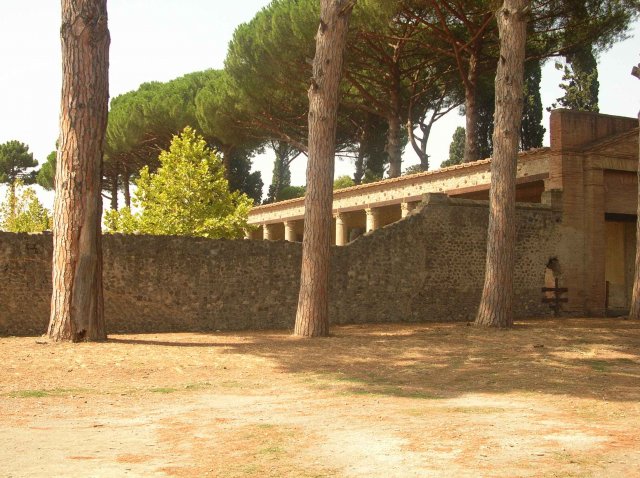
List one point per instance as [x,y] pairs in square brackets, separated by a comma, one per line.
[347,224]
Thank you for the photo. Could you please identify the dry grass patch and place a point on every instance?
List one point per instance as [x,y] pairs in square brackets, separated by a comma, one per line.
[548,398]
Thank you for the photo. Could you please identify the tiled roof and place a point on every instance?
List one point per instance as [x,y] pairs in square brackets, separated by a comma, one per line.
[407,178]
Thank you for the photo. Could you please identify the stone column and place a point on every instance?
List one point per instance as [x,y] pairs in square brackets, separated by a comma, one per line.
[406,208]
[267,233]
[373,219]
[341,230]
[289,231]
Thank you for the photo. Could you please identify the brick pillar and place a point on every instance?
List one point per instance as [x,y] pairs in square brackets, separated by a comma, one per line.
[289,231]
[341,230]
[582,247]
[595,242]
[373,219]
[568,176]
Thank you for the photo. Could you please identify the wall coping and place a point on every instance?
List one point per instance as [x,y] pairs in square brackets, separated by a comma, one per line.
[441,198]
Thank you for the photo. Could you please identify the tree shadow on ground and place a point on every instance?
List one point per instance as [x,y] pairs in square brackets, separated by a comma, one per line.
[165,343]
[595,358]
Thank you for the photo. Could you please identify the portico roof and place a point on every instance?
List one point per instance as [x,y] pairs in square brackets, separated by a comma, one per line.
[533,165]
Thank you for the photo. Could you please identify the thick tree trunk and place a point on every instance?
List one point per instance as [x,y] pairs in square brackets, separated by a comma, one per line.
[496,306]
[634,312]
[77,301]
[312,317]
[471,149]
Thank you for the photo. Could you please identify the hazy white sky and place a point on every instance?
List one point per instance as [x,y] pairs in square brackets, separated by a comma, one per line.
[163,39]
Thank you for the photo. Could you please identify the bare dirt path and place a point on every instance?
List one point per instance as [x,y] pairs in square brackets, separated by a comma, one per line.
[549,398]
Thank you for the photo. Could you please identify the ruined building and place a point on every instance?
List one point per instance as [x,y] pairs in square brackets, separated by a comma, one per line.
[419,257]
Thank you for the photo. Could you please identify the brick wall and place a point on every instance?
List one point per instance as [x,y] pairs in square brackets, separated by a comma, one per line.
[428,267]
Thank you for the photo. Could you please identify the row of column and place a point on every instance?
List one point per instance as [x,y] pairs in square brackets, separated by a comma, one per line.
[342,227]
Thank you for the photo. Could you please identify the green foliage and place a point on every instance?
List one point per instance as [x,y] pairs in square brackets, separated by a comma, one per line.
[188,195]
[45,176]
[456,148]
[21,211]
[281,177]
[268,70]
[343,182]
[372,156]
[15,159]
[143,122]
[531,129]
[578,89]
[485,104]
[372,176]
[292,192]
[241,178]
[400,63]
[221,120]
[123,221]
[413,169]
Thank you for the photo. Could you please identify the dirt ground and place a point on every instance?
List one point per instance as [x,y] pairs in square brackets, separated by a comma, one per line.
[548,398]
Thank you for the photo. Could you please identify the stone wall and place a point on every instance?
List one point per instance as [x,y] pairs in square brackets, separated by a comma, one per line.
[428,267]
[155,283]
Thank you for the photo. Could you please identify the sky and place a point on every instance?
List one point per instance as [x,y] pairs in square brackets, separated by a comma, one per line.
[158,40]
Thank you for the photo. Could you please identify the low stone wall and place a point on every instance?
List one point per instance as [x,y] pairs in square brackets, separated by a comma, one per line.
[155,283]
[428,267]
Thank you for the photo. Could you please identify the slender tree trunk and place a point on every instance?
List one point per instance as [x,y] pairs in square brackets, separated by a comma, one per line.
[634,312]
[77,301]
[363,147]
[114,192]
[471,150]
[277,183]
[276,178]
[419,145]
[13,200]
[424,157]
[496,306]
[358,174]
[312,317]
[426,132]
[227,150]
[126,188]
[394,146]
